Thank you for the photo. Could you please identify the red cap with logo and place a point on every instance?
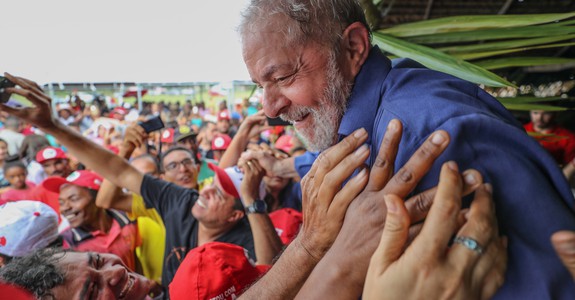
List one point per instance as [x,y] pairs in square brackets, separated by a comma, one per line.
[168,136]
[215,271]
[87,179]
[49,153]
[224,115]
[221,142]
[287,222]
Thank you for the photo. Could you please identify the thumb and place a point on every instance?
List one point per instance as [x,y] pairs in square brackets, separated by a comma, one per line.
[564,243]
[395,232]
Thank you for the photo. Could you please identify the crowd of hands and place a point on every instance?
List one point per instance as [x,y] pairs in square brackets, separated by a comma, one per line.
[408,237]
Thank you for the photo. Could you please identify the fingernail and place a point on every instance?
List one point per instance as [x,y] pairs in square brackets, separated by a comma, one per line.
[567,246]
[359,133]
[489,188]
[470,179]
[391,207]
[392,126]
[362,173]
[453,166]
[438,139]
[361,150]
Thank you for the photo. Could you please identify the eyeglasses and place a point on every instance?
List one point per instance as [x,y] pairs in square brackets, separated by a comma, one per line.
[188,162]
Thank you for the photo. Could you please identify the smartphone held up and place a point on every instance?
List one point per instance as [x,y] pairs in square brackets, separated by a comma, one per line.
[5,83]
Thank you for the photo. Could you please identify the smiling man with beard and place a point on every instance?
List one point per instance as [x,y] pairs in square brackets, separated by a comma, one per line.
[318,69]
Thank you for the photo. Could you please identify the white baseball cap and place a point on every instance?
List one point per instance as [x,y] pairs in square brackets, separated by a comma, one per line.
[26,226]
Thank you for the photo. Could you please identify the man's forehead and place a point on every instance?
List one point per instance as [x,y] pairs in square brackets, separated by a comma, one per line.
[175,155]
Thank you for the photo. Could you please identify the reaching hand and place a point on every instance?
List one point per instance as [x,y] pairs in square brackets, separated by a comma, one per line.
[324,199]
[471,268]
[253,125]
[564,244]
[134,137]
[41,113]
[250,186]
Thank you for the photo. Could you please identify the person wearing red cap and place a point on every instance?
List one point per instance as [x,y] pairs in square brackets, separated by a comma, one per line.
[56,164]
[93,228]
[215,271]
[220,143]
[224,123]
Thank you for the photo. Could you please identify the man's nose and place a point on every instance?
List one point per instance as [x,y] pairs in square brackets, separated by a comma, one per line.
[273,101]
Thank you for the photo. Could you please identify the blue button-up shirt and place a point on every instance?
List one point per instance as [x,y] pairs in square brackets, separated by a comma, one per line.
[533,199]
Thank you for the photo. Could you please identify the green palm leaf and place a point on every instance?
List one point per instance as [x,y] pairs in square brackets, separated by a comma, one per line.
[499,63]
[477,55]
[527,107]
[466,23]
[439,61]
[493,34]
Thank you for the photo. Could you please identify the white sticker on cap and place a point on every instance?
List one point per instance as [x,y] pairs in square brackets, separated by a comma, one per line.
[219,142]
[49,153]
[166,134]
[72,177]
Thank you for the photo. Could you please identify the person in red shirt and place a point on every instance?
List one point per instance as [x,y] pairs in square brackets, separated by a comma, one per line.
[558,141]
[93,228]
[15,172]
[56,164]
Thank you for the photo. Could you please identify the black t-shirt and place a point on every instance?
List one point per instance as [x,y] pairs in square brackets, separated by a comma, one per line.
[174,204]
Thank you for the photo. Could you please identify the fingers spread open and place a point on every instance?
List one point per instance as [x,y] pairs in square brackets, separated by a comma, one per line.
[382,168]
[405,180]
[418,206]
[343,198]
[442,219]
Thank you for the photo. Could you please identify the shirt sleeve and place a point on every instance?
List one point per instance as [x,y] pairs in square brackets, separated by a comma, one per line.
[164,196]
[302,163]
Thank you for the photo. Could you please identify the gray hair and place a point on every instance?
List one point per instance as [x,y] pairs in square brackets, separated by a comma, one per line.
[320,21]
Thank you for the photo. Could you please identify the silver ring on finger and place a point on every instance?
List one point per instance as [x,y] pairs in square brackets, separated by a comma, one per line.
[468,243]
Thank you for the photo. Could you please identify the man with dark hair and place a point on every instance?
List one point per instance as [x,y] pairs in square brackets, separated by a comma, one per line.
[318,69]
[12,134]
[58,274]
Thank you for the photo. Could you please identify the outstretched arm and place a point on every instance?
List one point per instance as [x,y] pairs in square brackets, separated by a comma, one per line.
[96,158]
[111,195]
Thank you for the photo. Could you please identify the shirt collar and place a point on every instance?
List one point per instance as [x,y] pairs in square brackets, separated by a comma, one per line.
[366,94]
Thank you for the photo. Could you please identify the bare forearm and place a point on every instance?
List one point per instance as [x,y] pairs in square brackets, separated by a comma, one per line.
[267,243]
[102,161]
[232,154]
[286,277]
[285,168]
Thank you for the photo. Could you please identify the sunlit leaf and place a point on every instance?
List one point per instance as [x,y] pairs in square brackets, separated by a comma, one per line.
[439,61]
[477,55]
[527,107]
[493,34]
[466,23]
[507,44]
[528,99]
[498,63]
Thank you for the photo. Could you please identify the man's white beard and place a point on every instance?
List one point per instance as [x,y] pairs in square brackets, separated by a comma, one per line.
[322,132]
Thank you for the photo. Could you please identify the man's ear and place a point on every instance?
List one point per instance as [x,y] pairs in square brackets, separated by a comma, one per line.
[355,49]
[236,216]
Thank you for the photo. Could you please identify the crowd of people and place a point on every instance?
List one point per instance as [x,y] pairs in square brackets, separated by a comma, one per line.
[394,182]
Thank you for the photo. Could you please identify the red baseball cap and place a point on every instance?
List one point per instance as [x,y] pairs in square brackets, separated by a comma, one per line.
[231,180]
[284,143]
[221,142]
[215,271]
[167,136]
[87,179]
[224,115]
[49,153]
[287,222]
[13,292]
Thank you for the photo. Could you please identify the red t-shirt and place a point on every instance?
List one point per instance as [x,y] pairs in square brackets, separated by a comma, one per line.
[562,147]
[15,195]
[120,240]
